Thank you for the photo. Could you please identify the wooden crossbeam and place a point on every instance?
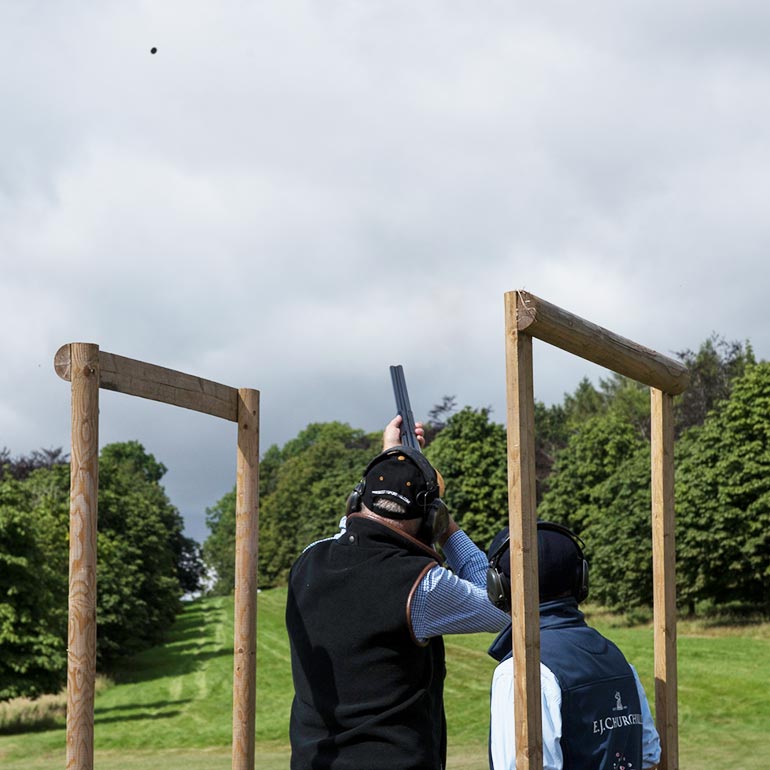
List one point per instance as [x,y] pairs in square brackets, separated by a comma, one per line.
[569,332]
[137,378]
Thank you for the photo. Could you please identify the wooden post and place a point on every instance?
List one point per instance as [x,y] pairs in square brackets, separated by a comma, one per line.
[246,551]
[522,518]
[84,483]
[664,577]
[88,369]
[529,316]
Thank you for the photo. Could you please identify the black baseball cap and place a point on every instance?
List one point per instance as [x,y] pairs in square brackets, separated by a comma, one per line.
[396,477]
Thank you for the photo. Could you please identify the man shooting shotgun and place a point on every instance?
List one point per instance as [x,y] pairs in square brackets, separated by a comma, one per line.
[366,610]
[438,519]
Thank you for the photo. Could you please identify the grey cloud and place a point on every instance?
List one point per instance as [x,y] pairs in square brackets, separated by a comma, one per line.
[293,196]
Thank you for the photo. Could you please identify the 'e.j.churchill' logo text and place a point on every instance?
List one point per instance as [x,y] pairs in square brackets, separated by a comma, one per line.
[612,723]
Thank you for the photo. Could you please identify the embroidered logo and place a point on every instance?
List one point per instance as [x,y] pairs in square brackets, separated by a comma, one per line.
[621,763]
[390,493]
[600,726]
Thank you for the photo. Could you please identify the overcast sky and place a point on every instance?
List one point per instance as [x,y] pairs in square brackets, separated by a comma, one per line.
[291,196]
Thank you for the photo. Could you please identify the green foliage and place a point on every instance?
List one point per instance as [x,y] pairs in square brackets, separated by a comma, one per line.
[144,565]
[618,535]
[437,418]
[320,468]
[630,401]
[470,453]
[139,538]
[591,457]
[600,485]
[601,491]
[21,467]
[303,489]
[627,398]
[551,436]
[219,546]
[713,369]
[586,402]
[723,501]
[32,656]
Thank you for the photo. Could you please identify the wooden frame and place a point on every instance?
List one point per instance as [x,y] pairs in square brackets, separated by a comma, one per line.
[528,316]
[88,369]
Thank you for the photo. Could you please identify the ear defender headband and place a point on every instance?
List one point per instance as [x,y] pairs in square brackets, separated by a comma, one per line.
[432,509]
[499,584]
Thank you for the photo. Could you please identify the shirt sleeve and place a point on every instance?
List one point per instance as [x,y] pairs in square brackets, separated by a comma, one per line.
[465,559]
[650,738]
[455,602]
[502,733]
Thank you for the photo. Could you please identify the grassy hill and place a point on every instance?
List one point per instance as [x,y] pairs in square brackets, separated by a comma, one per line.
[172,709]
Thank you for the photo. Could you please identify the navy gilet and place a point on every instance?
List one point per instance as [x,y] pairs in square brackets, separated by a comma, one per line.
[367,695]
[600,709]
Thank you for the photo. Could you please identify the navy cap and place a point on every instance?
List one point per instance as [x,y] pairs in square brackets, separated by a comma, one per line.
[558,557]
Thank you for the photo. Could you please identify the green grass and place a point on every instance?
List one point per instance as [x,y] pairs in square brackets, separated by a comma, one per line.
[172,709]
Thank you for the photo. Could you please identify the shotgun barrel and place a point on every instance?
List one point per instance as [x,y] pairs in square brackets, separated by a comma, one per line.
[408,437]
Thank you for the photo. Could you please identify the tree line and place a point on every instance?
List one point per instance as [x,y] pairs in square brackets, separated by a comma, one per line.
[592,473]
[145,564]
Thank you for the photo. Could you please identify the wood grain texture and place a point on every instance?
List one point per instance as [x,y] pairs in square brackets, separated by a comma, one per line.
[569,332]
[523,530]
[137,378]
[84,483]
[246,554]
[664,577]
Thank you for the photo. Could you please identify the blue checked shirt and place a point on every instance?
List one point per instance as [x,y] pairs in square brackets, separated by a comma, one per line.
[454,601]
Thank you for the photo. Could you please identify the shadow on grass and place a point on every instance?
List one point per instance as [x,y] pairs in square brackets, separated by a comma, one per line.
[166,665]
[190,644]
[137,706]
[122,718]
[40,725]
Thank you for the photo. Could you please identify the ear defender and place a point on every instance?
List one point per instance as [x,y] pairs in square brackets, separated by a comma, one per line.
[582,581]
[353,503]
[499,585]
[437,519]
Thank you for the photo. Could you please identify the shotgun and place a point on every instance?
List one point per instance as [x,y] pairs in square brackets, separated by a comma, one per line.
[408,437]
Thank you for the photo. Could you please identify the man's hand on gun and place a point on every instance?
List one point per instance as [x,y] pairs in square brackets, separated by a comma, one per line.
[391,436]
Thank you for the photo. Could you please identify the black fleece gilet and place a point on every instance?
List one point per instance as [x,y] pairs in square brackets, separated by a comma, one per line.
[367,695]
